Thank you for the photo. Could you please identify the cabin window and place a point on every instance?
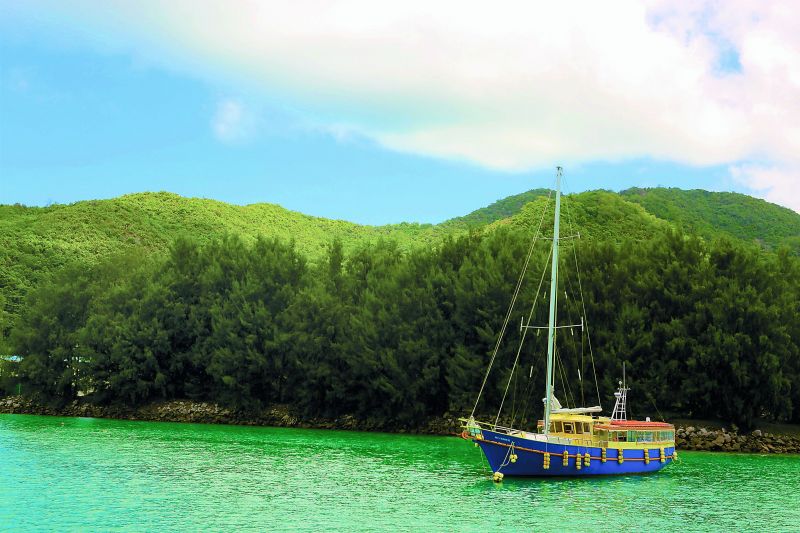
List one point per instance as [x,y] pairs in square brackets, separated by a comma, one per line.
[555,427]
[665,435]
[569,427]
[587,427]
[640,436]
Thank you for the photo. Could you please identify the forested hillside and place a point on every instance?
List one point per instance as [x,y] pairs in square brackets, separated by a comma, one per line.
[504,208]
[594,215]
[154,296]
[36,241]
[712,214]
[708,214]
[708,330]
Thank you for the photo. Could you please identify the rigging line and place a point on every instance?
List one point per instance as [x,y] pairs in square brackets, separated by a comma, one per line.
[586,325]
[564,382]
[529,388]
[653,401]
[573,344]
[520,397]
[582,366]
[527,394]
[514,410]
[583,306]
[524,334]
[569,386]
[567,302]
[583,370]
[557,374]
[514,393]
[510,307]
[567,276]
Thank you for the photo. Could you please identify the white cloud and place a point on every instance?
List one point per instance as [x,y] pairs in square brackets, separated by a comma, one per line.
[780,185]
[511,84]
[230,122]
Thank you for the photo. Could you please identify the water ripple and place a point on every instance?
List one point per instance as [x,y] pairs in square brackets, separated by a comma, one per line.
[76,474]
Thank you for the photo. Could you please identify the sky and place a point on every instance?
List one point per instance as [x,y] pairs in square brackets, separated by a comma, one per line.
[381,112]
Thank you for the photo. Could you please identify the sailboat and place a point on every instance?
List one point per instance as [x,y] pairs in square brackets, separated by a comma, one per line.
[574,441]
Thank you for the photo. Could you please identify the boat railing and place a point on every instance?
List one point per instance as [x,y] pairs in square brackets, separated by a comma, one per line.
[471,422]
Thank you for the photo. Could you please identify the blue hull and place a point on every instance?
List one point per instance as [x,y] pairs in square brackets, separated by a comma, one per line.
[531,458]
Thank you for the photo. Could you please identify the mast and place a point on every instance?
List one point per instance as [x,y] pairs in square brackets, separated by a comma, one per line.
[551,326]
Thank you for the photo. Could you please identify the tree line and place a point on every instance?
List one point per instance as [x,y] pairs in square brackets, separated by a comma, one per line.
[706,329]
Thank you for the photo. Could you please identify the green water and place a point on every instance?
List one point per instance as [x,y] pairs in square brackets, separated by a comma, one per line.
[92,474]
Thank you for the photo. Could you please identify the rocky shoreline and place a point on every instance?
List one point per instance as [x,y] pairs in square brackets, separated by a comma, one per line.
[209,413]
[723,440]
[686,438]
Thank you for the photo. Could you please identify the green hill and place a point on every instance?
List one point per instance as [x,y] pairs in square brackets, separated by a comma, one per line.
[35,241]
[499,210]
[596,215]
[708,214]
[711,214]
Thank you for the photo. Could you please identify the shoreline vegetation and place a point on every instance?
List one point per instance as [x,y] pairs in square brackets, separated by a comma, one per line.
[690,435]
[395,335]
[401,337]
